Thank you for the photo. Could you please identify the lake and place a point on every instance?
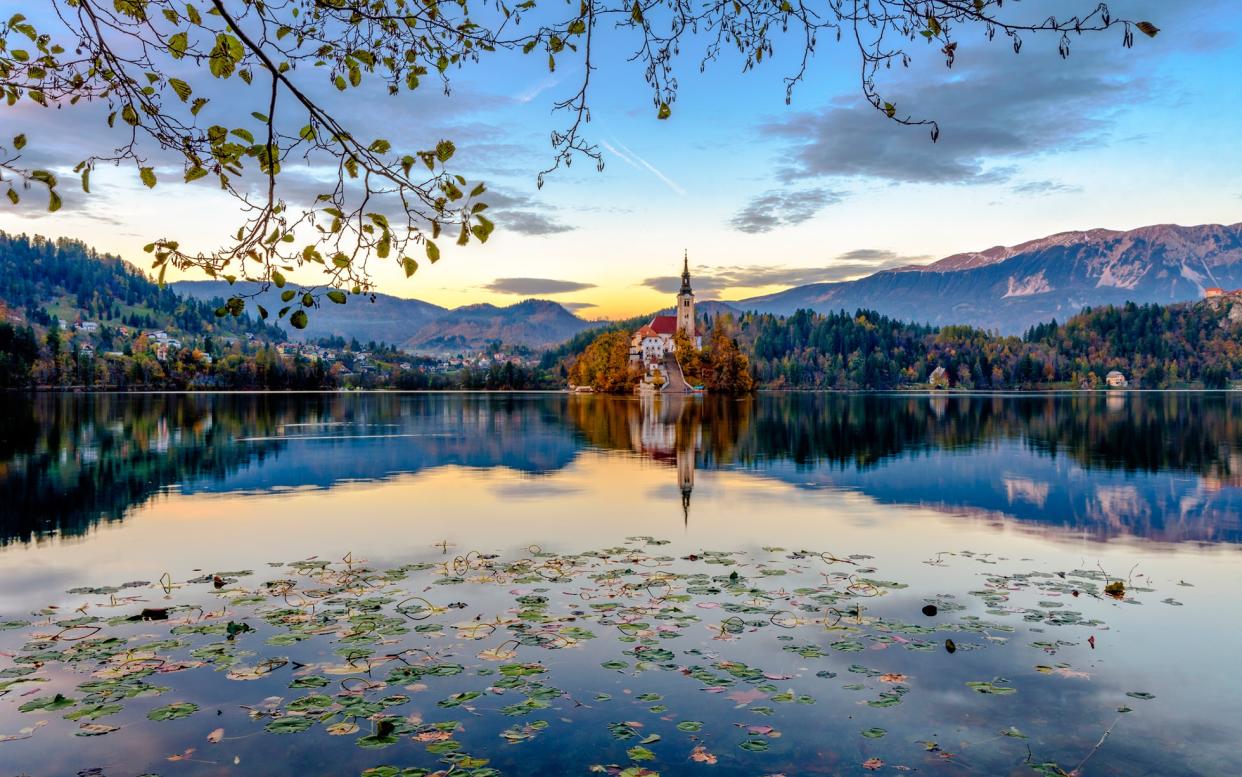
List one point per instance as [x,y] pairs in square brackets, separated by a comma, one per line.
[476,584]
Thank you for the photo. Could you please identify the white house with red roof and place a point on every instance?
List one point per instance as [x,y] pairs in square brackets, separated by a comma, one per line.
[655,340]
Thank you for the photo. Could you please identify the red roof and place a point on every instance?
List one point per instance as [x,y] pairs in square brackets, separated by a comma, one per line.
[664,325]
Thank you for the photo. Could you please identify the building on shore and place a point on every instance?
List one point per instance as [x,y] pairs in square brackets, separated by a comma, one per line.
[653,346]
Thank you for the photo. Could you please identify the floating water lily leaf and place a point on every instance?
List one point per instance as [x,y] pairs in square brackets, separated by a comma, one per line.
[991,688]
[640,753]
[364,643]
[49,703]
[94,712]
[173,711]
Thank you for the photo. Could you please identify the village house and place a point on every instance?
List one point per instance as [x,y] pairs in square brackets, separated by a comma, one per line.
[1115,379]
[655,340]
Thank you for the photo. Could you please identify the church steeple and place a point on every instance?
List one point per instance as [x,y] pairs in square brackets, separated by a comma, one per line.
[685,301]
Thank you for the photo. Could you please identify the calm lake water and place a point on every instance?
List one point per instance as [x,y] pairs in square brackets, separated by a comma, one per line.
[413,584]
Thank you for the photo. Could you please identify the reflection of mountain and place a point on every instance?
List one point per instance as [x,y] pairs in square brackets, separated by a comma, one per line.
[1011,480]
[1164,466]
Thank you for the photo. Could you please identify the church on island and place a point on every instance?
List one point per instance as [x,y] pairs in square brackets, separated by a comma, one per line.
[653,347]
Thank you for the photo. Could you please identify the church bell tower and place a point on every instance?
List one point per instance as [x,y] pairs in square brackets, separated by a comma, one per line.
[685,301]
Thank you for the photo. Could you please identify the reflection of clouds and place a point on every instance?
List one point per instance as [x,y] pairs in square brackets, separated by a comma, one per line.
[1026,490]
[1118,505]
[533,489]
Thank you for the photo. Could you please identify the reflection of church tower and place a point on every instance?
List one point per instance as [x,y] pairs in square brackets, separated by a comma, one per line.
[685,301]
[685,474]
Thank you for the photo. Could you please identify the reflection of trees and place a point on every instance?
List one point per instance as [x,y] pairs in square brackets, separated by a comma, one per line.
[68,462]
[1195,433]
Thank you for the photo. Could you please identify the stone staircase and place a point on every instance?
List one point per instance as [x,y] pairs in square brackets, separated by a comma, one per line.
[675,381]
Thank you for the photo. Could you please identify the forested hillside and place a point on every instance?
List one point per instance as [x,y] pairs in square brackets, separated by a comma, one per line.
[1193,345]
[65,279]
[1153,346]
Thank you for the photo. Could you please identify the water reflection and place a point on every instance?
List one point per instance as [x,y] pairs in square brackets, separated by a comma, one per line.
[1158,466]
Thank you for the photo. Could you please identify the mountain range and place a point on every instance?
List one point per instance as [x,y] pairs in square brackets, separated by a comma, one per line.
[412,323]
[1010,288]
[1005,288]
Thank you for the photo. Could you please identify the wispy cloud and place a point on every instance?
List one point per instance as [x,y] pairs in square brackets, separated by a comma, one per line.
[709,281]
[544,84]
[529,286]
[783,208]
[638,163]
[1044,187]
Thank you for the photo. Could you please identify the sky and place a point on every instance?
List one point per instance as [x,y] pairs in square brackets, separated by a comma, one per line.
[762,195]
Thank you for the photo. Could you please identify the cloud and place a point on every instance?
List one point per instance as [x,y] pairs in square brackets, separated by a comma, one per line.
[521,213]
[535,286]
[994,109]
[709,281]
[576,306]
[1045,187]
[528,223]
[782,208]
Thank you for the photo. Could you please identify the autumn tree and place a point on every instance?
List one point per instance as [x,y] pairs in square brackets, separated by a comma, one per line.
[233,92]
[726,369]
[605,365]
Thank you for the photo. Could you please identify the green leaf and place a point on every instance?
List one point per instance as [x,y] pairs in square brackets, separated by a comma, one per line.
[445,150]
[482,228]
[298,319]
[177,45]
[337,296]
[433,252]
[148,176]
[664,111]
[409,265]
[173,711]
[225,55]
[54,201]
[640,753]
[194,173]
[19,142]
[182,89]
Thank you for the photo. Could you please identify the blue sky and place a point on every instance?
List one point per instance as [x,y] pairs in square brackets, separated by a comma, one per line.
[765,195]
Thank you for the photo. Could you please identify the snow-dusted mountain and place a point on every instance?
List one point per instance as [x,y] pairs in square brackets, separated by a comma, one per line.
[1009,288]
